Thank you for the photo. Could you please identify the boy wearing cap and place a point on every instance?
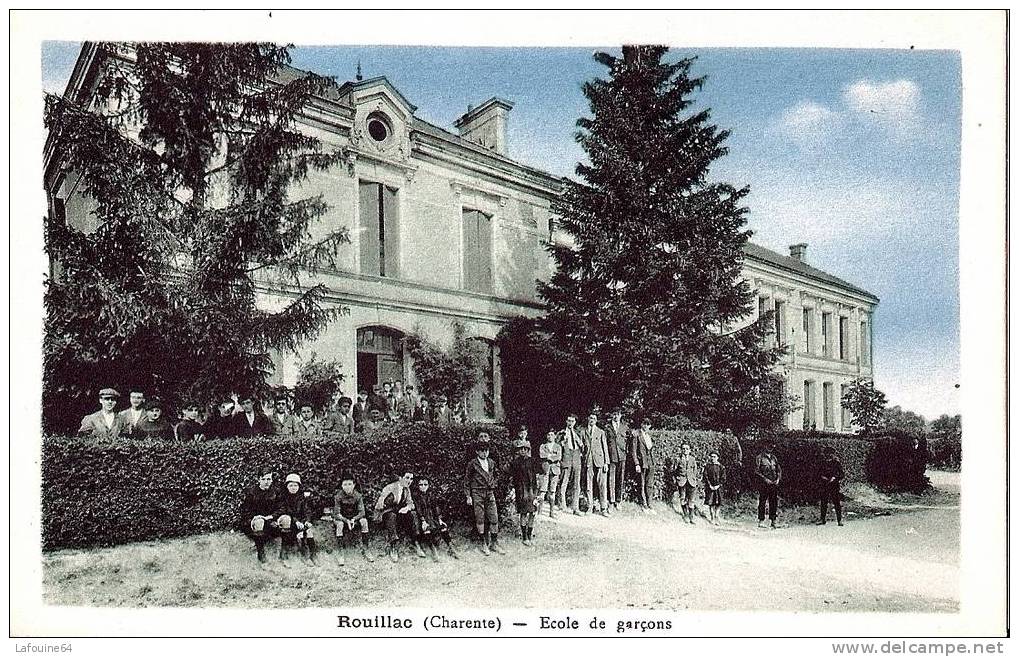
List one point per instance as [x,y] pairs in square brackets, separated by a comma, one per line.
[441,415]
[433,526]
[293,522]
[104,423]
[551,454]
[154,424]
[350,517]
[768,473]
[525,485]
[258,509]
[282,419]
[396,510]
[479,489]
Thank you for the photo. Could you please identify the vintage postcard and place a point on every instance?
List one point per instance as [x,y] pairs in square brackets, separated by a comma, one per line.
[525,324]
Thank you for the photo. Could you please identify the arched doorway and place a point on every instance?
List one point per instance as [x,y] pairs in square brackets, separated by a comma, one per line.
[379,356]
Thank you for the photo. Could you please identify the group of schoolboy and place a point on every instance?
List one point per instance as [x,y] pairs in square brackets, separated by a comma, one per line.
[245,415]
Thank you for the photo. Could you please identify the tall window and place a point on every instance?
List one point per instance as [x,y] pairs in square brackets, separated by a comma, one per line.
[477,261]
[826,400]
[809,408]
[843,338]
[780,322]
[865,342]
[808,330]
[380,230]
[826,335]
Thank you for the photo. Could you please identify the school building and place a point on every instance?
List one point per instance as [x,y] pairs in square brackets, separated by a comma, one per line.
[447,228]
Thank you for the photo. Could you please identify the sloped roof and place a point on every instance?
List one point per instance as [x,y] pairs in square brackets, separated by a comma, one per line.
[757,252]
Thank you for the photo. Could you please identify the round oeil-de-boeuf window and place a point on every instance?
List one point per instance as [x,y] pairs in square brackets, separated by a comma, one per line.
[378,128]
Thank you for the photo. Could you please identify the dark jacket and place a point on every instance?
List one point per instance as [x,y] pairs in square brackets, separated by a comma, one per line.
[713,475]
[617,441]
[642,455]
[160,429]
[524,475]
[189,430]
[767,470]
[832,469]
[348,507]
[428,509]
[294,505]
[476,478]
[258,502]
[261,426]
[219,426]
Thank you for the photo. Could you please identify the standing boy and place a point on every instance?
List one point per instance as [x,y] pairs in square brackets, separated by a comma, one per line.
[645,463]
[616,435]
[188,428]
[133,414]
[479,488]
[832,474]
[714,476]
[104,423]
[596,463]
[350,517]
[551,455]
[572,444]
[525,487]
[768,473]
[686,481]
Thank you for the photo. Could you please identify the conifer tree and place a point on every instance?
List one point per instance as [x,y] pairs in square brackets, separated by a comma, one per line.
[187,155]
[646,295]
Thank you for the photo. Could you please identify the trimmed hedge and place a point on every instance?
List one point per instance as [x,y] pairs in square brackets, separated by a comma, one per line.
[99,493]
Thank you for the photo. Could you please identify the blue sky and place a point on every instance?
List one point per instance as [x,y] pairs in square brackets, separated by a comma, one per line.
[855,152]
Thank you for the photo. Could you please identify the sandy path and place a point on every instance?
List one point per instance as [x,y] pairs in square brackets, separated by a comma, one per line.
[904,562]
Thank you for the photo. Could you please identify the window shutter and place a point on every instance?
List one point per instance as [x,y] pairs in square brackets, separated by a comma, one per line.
[391,218]
[369,211]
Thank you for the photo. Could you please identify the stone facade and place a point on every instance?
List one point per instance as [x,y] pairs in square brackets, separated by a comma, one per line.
[447,228]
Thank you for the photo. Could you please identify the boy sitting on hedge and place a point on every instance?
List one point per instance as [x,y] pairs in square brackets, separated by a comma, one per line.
[348,512]
[396,510]
[433,526]
[292,520]
[257,512]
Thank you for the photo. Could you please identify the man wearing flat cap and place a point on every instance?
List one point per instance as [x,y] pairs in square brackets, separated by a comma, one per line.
[104,423]
[479,489]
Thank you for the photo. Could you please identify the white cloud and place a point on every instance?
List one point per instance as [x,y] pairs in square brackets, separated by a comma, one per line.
[895,105]
[808,122]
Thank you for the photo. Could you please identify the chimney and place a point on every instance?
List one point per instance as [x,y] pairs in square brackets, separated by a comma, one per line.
[486,124]
[798,251]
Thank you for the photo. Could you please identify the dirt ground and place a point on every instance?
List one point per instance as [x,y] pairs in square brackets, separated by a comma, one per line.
[905,561]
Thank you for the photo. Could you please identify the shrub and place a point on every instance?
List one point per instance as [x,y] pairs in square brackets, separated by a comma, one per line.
[100,494]
[945,452]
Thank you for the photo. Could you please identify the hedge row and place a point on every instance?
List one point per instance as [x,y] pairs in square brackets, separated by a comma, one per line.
[97,493]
